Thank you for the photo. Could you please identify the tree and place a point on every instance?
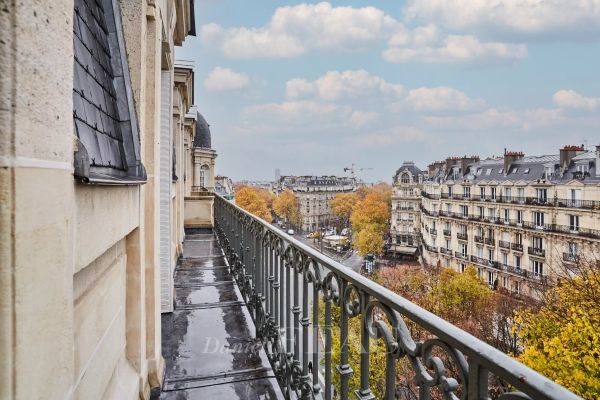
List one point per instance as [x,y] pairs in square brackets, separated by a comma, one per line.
[343,204]
[287,206]
[248,199]
[370,210]
[267,196]
[562,339]
[369,240]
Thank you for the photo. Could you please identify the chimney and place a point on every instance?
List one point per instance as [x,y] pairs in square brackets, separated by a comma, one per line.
[509,158]
[597,165]
[465,161]
[566,155]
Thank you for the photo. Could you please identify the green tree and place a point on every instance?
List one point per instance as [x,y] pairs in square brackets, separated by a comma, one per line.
[562,339]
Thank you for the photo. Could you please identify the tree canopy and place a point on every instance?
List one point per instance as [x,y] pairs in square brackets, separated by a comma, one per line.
[286,205]
[249,199]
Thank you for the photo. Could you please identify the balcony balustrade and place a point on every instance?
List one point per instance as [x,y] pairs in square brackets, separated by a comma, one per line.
[478,239]
[516,247]
[570,257]
[535,251]
[460,255]
[283,282]
[504,244]
[490,241]
[462,236]
[534,201]
[446,251]
[431,249]
[433,231]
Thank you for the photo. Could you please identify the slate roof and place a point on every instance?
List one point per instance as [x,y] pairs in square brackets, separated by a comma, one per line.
[410,167]
[203,136]
[527,169]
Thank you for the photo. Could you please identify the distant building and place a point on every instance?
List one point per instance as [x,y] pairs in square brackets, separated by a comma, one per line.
[405,219]
[224,187]
[315,194]
[518,219]
[277,175]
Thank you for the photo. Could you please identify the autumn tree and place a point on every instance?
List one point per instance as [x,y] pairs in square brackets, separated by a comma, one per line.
[247,198]
[369,221]
[343,204]
[562,339]
[385,190]
[267,196]
[286,205]
[369,240]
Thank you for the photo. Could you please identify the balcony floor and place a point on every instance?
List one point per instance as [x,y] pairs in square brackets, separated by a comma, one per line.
[209,342]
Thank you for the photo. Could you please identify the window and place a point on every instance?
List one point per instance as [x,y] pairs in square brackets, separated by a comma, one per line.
[548,170]
[507,193]
[583,168]
[518,238]
[488,171]
[501,170]
[542,195]
[448,243]
[519,217]
[504,281]
[466,192]
[203,170]
[464,211]
[493,193]
[538,219]
[479,251]
[515,287]
[537,268]
[450,191]
[482,192]
[462,267]
[574,223]
[538,243]
[463,229]
[490,255]
[405,178]
[572,248]
[526,171]
[480,211]
[504,258]
[108,146]
[518,262]
[506,215]
[463,249]
[514,170]
[491,213]
[490,278]
[521,195]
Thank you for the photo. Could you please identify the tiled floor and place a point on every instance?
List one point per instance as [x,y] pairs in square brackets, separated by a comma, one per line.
[209,341]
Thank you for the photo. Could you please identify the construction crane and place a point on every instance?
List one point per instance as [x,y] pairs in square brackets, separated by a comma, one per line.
[353,168]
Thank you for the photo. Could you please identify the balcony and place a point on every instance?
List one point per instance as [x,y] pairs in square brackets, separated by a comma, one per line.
[210,343]
[504,244]
[478,239]
[535,251]
[429,248]
[433,231]
[460,255]
[570,257]
[282,281]
[489,241]
[517,247]
[447,232]
[446,251]
[462,236]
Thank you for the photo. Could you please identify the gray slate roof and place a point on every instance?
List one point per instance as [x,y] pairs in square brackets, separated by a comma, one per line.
[203,137]
[410,167]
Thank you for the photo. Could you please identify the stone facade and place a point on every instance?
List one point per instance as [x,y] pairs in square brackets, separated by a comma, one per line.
[518,219]
[80,258]
[315,194]
[405,220]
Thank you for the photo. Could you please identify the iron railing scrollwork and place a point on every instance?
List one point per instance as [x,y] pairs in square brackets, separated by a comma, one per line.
[284,282]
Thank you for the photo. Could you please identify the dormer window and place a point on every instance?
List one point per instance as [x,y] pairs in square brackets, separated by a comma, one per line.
[501,171]
[526,171]
[514,170]
[583,168]
[488,171]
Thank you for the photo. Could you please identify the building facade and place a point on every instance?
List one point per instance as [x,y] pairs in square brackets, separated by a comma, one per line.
[92,155]
[314,195]
[224,187]
[405,222]
[520,220]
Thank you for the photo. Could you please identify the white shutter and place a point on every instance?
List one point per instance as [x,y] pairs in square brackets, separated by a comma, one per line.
[164,182]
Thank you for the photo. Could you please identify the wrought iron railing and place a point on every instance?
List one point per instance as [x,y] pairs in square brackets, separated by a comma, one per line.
[284,281]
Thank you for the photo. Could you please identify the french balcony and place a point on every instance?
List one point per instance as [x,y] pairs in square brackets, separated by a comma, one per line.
[504,244]
[489,241]
[517,247]
[290,291]
[570,257]
[536,251]
[433,231]
[445,251]
[447,232]
[460,255]
[478,239]
[462,236]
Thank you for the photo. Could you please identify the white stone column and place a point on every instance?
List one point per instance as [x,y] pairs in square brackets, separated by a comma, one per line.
[196,172]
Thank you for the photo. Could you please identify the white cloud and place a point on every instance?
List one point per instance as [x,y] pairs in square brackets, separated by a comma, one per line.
[298,112]
[391,136]
[572,99]
[517,18]
[454,49]
[441,98]
[360,119]
[336,85]
[224,79]
[295,30]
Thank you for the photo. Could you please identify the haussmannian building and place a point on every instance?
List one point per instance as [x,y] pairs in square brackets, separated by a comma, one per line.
[405,222]
[96,170]
[314,195]
[518,219]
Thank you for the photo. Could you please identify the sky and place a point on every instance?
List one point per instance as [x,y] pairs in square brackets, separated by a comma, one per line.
[311,88]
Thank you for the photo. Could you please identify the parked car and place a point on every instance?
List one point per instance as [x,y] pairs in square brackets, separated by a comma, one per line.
[290,231]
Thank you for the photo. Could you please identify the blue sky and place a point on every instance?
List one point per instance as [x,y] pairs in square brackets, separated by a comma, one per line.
[310,88]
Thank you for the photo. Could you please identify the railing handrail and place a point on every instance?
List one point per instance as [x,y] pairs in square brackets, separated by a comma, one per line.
[520,376]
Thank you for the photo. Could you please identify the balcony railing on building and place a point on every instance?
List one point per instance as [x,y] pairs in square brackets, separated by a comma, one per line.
[462,236]
[504,244]
[284,282]
[536,251]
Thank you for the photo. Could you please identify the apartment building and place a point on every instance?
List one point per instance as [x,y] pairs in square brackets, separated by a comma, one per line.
[519,219]
[315,194]
[405,220]
[95,150]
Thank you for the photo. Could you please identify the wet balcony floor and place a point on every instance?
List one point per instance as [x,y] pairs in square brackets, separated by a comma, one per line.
[209,341]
